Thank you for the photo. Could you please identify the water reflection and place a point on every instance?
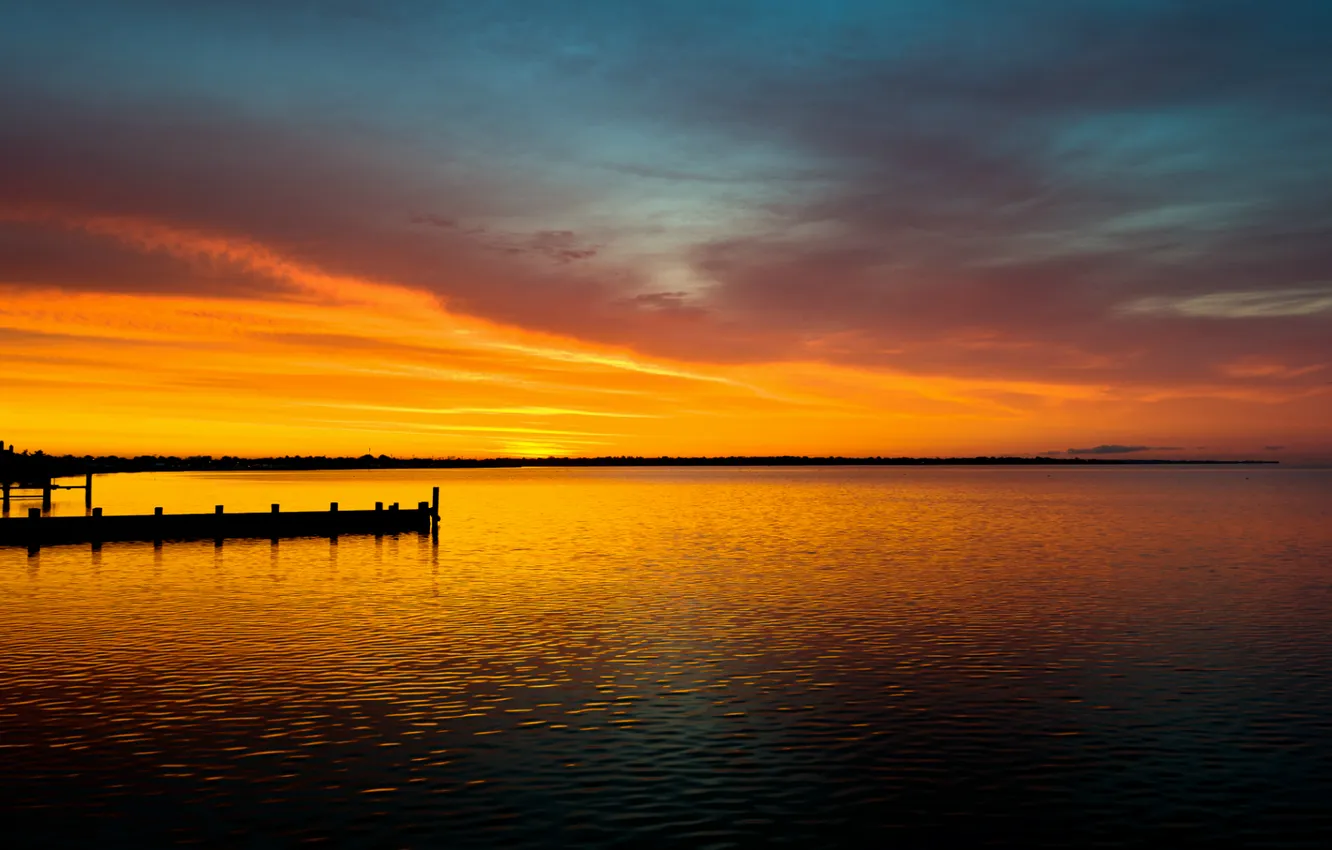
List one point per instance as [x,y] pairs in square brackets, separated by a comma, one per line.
[687,657]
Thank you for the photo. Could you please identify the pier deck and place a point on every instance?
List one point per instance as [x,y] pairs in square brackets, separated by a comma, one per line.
[36,531]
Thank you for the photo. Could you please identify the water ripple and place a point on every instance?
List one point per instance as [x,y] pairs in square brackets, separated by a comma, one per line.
[692,658]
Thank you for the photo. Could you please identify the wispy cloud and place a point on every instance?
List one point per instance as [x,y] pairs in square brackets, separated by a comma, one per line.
[1254,304]
[520,410]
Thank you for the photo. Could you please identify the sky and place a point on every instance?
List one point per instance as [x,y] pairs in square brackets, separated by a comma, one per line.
[882,227]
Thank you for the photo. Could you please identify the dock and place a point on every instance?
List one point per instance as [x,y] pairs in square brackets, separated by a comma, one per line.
[36,531]
[35,474]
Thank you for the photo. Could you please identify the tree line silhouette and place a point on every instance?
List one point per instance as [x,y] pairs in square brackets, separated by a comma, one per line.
[24,466]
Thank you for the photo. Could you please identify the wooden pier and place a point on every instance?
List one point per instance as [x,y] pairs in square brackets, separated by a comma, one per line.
[36,531]
[36,475]
[10,490]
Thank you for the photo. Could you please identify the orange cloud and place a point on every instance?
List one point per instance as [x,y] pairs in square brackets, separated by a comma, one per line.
[341,365]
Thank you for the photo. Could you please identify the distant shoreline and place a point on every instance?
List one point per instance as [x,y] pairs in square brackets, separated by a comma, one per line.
[71,465]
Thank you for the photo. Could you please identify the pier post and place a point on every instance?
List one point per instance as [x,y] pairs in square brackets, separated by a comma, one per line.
[157,528]
[97,531]
[5,487]
[34,540]
[276,508]
[379,506]
[87,490]
[217,509]
[332,507]
[46,496]
[434,513]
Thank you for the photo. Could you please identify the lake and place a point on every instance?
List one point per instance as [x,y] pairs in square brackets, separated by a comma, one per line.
[686,657]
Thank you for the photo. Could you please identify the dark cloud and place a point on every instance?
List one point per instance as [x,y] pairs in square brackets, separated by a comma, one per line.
[1027,193]
[318,198]
[434,220]
[560,245]
[305,196]
[1112,449]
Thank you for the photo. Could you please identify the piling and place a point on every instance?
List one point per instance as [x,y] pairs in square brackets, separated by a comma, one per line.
[35,531]
[434,515]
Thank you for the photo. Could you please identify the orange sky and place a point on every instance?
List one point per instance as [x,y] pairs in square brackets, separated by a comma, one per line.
[347,366]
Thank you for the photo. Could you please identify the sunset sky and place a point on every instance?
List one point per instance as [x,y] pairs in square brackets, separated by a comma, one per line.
[883,227]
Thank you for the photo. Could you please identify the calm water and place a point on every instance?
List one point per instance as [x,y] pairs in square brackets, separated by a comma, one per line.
[870,657]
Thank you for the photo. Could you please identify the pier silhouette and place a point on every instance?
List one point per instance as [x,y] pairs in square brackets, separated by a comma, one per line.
[35,474]
[30,476]
[36,531]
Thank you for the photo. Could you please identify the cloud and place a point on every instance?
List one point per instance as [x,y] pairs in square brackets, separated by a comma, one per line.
[984,193]
[67,256]
[902,186]
[1250,367]
[1117,450]
[560,245]
[1236,305]
[434,220]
